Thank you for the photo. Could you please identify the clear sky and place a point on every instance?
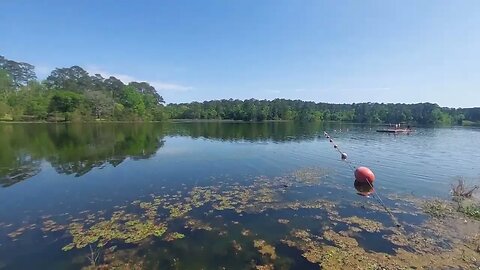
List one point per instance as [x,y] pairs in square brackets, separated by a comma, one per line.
[329,51]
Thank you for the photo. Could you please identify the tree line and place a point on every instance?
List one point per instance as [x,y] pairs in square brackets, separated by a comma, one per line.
[72,94]
[282,109]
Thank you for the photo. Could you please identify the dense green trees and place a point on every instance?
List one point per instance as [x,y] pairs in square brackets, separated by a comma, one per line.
[73,94]
[19,72]
[281,109]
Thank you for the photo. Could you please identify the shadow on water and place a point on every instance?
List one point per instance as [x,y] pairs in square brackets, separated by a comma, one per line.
[72,148]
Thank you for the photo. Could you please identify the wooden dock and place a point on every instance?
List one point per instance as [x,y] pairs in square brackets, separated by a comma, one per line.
[395,130]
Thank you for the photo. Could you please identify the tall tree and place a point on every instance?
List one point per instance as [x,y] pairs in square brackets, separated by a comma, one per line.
[114,86]
[146,89]
[73,78]
[6,84]
[133,100]
[21,73]
[101,104]
[65,101]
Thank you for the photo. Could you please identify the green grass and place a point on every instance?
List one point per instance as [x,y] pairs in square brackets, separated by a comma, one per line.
[472,211]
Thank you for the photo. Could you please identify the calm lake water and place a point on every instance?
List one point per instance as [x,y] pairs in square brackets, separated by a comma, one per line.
[62,173]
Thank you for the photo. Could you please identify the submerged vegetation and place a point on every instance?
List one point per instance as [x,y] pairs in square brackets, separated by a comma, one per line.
[438,208]
[318,228]
[72,94]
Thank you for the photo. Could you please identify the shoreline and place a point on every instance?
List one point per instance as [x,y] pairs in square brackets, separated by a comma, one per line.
[468,124]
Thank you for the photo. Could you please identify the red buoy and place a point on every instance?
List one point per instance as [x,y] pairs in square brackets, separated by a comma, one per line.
[364,174]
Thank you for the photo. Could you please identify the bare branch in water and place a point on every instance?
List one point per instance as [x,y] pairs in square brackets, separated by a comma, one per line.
[94,255]
[460,189]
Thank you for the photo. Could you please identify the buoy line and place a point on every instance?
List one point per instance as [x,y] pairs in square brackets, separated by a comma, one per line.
[363,175]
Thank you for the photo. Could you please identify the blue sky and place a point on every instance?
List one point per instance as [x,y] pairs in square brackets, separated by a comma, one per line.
[329,51]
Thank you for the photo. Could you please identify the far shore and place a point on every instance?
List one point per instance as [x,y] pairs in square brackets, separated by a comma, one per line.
[465,124]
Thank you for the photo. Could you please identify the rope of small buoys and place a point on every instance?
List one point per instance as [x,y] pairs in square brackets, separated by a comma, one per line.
[363,175]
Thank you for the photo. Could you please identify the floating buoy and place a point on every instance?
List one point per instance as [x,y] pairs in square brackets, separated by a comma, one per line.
[344,156]
[331,140]
[335,146]
[364,174]
[363,188]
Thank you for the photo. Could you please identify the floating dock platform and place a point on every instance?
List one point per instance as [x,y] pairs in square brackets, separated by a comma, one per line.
[395,130]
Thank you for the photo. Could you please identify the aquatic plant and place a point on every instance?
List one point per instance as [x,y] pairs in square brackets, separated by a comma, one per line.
[265,249]
[20,231]
[236,246]
[127,228]
[195,224]
[265,267]
[283,221]
[438,208]
[362,223]
[178,209]
[246,232]
[326,247]
[173,236]
[345,253]
[470,208]
[16,233]
[310,176]
[52,226]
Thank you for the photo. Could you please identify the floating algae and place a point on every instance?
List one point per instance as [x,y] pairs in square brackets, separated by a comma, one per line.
[173,236]
[17,233]
[246,232]
[362,223]
[121,226]
[236,246]
[52,226]
[310,176]
[178,209]
[265,267]
[438,208]
[195,224]
[345,252]
[265,249]
[283,221]
[20,231]
[131,228]
[330,242]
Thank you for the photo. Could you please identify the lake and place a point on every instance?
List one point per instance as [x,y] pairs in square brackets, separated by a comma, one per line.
[225,195]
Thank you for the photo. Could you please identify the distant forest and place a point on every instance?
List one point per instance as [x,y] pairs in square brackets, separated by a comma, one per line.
[281,109]
[72,94]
